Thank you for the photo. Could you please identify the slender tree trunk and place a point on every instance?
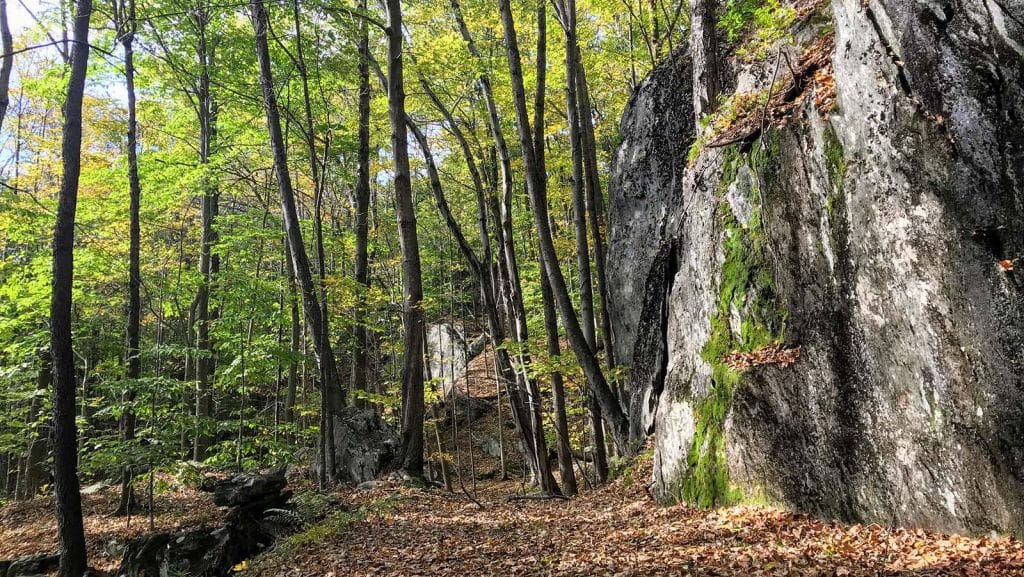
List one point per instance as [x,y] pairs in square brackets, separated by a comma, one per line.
[525,411]
[655,31]
[332,391]
[609,404]
[484,272]
[564,449]
[595,211]
[581,185]
[562,445]
[207,109]
[65,457]
[6,63]
[412,283]
[318,228]
[360,367]
[578,193]
[295,342]
[595,203]
[704,54]
[33,478]
[125,21]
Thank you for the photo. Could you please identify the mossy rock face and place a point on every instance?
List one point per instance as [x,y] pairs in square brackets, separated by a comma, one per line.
[869,235]
[746,294]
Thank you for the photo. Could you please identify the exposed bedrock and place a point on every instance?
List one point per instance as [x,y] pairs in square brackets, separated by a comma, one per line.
[876,240]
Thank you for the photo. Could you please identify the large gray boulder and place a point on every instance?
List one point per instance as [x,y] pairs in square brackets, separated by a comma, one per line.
[449,353]
[870,239]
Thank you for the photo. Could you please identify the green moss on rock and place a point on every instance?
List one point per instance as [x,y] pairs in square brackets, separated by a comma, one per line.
[746,286]
[835,164]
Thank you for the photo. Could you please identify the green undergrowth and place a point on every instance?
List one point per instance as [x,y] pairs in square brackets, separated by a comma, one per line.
[746,285]
[756,25]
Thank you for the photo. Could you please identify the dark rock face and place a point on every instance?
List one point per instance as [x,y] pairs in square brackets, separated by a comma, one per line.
[250,490]
[364,445]
[871,239]
[30,566]
[250,526]
[647,180]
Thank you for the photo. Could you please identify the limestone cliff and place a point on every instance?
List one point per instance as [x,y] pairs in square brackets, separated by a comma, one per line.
[820,299]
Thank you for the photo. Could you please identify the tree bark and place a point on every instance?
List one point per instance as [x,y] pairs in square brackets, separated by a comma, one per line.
[70,531]
[411,449]
[125,23]
[704,54]
[330,385]
[6,63]
[360,369]
[207,110]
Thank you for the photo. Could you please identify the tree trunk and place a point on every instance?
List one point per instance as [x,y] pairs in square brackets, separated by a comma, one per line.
[411,449]
[568,479]
[564,449]
[578,193]
[65,456]
[583,184]
[360,368]
[318,229]
[295,342]
[482,269]
[595,203]
[125,21]
[609,404]
[330,385]
[525,411]
[207,110]
[704,54]
[6,63]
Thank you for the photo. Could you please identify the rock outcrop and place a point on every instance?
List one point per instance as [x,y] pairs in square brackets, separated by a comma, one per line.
[30,565]
[868,223]
[254,503]
[364,445]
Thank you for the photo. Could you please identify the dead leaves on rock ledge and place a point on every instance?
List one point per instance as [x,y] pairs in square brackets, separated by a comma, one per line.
[773,354]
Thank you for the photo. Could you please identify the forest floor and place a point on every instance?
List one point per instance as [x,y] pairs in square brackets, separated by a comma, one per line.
[30,527]
[491,527]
